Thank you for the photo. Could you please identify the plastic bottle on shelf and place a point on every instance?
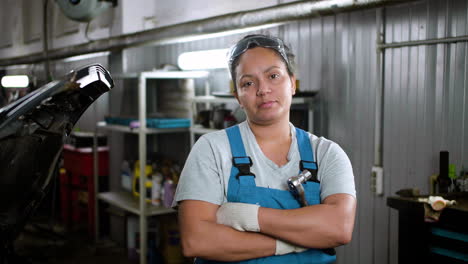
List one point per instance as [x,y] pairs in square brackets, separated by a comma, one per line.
[126,176]
[156,188]
[136,180]
[168,192]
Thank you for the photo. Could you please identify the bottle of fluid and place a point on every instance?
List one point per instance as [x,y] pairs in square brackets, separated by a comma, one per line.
[156,189]
[168,190]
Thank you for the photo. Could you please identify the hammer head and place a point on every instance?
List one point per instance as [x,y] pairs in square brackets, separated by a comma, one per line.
[296,188]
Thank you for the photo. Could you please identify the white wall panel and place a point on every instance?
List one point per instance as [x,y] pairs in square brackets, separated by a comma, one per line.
[170,12]
[7,25]
[32,20]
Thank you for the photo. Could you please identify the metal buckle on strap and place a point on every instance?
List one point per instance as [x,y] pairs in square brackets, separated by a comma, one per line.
[310,166]
[244,168]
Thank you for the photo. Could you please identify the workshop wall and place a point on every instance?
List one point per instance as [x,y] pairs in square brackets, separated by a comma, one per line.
[425,97]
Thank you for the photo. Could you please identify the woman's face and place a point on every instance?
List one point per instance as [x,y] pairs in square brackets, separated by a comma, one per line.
[264,87]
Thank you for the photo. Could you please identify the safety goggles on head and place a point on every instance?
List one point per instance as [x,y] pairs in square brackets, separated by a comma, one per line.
[257,41]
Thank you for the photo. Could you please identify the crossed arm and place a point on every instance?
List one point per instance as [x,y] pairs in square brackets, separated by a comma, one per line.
[325,225]
[203,237]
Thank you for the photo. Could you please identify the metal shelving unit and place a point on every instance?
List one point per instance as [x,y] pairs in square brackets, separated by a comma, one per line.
[125,200]
[126,129]
[208,99]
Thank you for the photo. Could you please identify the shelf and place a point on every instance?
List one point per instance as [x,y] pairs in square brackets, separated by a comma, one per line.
[164,75]
[126,129]
[202,130]
[301,100]
[214,99]
[127,202]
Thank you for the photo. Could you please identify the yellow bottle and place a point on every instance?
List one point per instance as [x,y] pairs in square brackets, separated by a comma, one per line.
[148,182]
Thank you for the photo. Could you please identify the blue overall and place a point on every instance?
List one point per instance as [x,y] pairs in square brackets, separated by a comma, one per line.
[242,189]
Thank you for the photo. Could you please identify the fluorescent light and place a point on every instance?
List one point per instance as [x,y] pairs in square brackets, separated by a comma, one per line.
[205,59]
[15,81]
[195,37]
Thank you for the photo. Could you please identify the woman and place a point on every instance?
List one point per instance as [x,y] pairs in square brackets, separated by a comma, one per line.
[233,197]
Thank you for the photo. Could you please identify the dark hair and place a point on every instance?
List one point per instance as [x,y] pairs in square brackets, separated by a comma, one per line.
[250,41]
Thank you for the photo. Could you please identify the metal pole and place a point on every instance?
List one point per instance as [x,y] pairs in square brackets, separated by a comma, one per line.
[378,132]
[193,110]
[45,41]
[422,42]
[142,157]
[376,183]
[96,182]
[310,115]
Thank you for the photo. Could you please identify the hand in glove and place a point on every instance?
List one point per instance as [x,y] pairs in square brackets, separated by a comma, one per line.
[240,216]
[286,248]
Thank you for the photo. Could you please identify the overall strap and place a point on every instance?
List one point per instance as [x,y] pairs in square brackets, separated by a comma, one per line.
[307,154]
[308,163]
[241,163]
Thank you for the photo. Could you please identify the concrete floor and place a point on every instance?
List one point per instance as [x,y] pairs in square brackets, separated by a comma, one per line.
[44,241]
[39,245]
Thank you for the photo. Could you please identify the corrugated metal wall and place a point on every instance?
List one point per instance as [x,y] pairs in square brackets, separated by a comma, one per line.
[425,97]
[347,94]
[424,100]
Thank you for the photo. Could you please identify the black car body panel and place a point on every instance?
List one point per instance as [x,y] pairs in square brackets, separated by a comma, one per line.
[32,133]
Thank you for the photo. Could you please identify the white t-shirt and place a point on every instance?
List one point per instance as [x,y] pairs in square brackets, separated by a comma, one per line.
[207,170]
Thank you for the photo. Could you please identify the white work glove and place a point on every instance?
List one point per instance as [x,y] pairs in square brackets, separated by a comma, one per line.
[286,248]
[240,216]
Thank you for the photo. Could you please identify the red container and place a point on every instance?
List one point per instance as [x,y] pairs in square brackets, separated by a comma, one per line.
[79,206]
[77,185]
[65,196]
[82,210]
[79,161]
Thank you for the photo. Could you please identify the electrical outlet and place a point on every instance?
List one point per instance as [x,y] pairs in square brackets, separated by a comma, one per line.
[377,180]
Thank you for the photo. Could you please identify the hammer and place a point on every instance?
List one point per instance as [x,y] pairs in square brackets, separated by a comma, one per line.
[296,188]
